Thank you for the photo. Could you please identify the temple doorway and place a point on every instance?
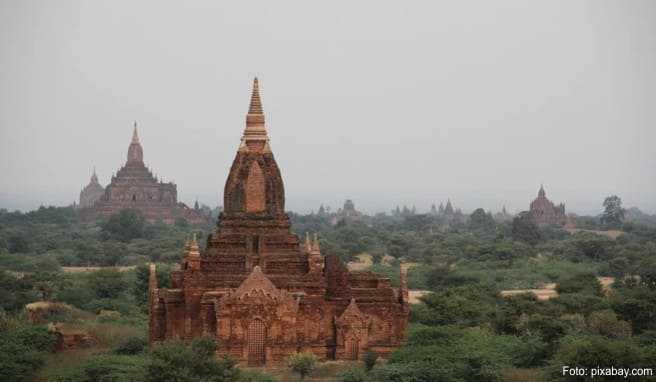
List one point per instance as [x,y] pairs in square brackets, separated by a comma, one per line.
[352,348]
[256,339]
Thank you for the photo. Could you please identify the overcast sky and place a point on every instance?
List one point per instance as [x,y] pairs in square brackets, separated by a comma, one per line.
[383,102]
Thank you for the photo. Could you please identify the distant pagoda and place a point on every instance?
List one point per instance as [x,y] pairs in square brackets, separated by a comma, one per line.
[544,212]
[135,187]
[92,192]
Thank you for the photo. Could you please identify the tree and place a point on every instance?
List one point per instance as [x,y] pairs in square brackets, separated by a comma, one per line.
[142,275]
[107,283]
[605,323]
[302,363]
[595,351]
[23,350]
[370,358]
[18,244]
[480,220]
[580,283]
[613,215]
[524,229]
[15,292]
[128,224]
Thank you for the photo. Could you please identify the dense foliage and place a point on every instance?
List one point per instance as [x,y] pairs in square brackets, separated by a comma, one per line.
[464,330]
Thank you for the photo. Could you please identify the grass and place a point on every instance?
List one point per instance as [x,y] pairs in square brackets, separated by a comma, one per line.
[57,363]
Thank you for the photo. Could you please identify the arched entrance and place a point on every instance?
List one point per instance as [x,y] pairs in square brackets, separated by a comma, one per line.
[256,338]
[352,347]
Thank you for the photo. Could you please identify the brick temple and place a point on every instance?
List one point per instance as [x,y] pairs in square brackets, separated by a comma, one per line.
[544,212]
[134,186]
[262,293]
[92,192]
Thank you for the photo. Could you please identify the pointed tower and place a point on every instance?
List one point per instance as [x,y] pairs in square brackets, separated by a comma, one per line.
[254,184]
[135,151]
[94,177]
[192,256]
[308,243]
[316,260]
[541,192]
[257,276]
[92,192]
[255,134]
[254,204]
[449,208]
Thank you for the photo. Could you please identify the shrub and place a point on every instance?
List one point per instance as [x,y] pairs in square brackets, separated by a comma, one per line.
[22,351]
[114,368]
[130,346]
[580,283]
[302,363]
[175,361]
[352,375]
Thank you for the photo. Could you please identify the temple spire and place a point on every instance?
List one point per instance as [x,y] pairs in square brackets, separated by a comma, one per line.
[255,136]
[542,193]
[135,136]
[315,245]
[94,177]
[256,103]
[135,152]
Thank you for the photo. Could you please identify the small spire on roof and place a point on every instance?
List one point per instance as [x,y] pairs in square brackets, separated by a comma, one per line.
[315,244]
[255,135]
[308,244]
[135,136]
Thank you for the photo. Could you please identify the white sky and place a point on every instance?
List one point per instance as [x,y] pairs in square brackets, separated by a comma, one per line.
[386,103]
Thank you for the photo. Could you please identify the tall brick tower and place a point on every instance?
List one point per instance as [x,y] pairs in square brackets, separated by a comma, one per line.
[262,294]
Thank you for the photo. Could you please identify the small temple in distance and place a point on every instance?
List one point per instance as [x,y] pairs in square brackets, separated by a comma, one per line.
[543,211]
[92,192]
[260,291]
[135,187]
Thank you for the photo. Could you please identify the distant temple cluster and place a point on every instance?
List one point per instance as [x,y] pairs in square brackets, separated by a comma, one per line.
[544,212]
[443,210]
[134,186]
[346,214]
[260,292]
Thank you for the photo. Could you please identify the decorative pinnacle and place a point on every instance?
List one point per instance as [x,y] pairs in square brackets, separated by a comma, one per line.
[315,244]
[308,245]
[193,247]
[256,103]
[135,136]
[255,135]
[94,177]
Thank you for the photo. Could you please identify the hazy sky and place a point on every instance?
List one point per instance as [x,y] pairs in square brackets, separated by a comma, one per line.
[383,102]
